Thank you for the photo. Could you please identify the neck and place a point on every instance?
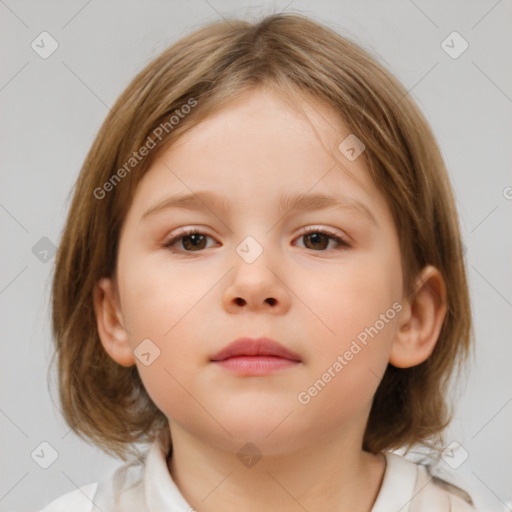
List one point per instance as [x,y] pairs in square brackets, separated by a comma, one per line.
[331,474]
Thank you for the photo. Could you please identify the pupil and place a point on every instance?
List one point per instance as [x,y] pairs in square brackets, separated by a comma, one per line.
[316,237]
[195,238]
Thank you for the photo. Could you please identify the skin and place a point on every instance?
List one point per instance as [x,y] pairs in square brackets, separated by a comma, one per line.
[188,304]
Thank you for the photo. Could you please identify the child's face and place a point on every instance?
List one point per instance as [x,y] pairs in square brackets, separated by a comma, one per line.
[323,295]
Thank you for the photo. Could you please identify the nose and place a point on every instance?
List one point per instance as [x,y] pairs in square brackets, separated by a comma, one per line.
[257,286]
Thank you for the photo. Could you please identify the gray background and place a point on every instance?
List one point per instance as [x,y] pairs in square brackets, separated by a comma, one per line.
[52,108]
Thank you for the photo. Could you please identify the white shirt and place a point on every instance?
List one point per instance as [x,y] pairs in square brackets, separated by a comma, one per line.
[149,487]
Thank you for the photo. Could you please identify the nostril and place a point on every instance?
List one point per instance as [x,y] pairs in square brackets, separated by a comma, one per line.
[240,302]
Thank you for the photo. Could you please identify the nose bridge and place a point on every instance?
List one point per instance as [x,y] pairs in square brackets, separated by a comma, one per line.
[256,238]
[254,260]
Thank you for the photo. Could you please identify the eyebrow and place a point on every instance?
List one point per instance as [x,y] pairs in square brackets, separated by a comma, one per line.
[204,200]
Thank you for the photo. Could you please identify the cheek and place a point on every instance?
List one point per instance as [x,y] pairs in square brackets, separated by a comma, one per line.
[161,308]
[354,324]
[156,297]
[344,302]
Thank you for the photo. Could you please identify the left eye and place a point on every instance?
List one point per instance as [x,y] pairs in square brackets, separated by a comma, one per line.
[317,238]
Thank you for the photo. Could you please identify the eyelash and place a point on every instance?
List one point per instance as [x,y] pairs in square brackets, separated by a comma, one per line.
[303,232]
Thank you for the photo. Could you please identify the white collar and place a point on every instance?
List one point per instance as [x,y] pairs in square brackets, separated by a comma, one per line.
[396,491]
[162,492]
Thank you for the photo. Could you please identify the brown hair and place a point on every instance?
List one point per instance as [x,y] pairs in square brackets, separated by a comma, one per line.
[106,402]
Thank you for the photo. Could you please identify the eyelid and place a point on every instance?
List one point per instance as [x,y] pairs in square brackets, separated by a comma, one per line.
[186,231]
[323,229]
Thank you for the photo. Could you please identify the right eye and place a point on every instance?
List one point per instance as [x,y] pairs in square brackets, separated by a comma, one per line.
[192,240]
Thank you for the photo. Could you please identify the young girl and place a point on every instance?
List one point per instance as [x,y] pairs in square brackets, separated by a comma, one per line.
[261,275]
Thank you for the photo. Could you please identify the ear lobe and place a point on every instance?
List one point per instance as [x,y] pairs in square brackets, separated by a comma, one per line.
[421,320]
[113,335]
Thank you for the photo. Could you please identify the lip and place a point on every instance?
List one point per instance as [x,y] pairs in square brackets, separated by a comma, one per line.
[255,347]
[261,356]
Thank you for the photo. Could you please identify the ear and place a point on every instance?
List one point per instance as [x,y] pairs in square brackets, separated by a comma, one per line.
[420,321]
[113,335]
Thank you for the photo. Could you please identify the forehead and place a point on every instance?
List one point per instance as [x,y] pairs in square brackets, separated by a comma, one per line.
[260,145]
[266,111]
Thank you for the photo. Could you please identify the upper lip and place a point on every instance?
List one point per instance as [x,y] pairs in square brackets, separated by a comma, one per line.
[255,347]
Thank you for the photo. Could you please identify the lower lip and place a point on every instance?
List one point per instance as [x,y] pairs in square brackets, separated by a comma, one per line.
[255,365]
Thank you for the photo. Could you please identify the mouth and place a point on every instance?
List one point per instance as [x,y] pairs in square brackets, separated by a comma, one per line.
[247,356]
